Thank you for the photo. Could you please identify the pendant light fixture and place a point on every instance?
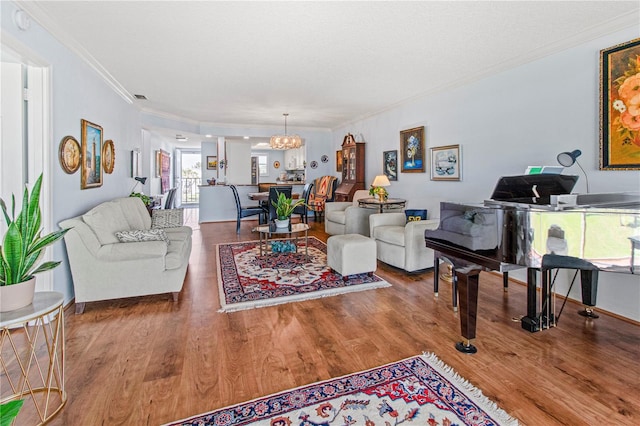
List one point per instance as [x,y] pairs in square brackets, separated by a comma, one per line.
[285,141]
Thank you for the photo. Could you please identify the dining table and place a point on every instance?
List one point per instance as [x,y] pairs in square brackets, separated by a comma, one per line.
[264,196]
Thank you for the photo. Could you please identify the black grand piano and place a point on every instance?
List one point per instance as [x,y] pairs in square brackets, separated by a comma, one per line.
[534,222]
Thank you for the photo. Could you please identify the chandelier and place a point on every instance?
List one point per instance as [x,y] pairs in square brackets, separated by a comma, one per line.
[285,141]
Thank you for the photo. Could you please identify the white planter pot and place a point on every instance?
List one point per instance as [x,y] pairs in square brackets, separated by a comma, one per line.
[17,296]
[282,223]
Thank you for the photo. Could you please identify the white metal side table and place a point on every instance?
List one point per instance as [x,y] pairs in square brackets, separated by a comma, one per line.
[36,377]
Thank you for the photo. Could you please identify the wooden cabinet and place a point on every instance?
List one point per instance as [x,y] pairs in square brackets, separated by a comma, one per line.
[352,169]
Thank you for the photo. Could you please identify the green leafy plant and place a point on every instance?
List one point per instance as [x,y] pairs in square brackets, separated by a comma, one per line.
[145,198]
[285,206]
[23,245]
[9,411]
[379,191]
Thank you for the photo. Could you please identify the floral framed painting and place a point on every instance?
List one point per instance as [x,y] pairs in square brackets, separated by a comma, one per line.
[445,163]
[620,107]
[390,164]
[412,150]
[91,155]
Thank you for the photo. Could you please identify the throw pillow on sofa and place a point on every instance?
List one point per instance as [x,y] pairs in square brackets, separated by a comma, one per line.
[142,235]
[167,218]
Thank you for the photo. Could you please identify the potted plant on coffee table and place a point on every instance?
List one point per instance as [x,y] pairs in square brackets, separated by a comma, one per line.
[284,209]
[22,250]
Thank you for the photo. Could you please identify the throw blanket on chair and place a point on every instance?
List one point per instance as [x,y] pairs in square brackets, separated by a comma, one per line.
[321,192]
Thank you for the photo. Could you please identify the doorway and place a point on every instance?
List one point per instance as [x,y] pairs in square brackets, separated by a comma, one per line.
[190,167]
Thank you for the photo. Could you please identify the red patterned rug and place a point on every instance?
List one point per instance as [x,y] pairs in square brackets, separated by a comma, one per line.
[247,280]
[421,390]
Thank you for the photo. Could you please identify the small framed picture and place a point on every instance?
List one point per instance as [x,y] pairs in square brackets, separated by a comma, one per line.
[412,150]
[445,163]
[390,164]
[91,155]
[212,162]
[339,161]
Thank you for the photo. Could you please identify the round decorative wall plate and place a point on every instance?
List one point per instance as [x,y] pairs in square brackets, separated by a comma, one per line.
[69,154]
[276,164]
[108,156]
[314,164]
[324,159]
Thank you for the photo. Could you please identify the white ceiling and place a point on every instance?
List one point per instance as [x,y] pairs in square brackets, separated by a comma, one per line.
[325,63]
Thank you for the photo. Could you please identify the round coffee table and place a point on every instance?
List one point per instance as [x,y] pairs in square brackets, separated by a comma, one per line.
[270,233]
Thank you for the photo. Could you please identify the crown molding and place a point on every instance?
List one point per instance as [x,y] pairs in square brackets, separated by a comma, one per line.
[37,14]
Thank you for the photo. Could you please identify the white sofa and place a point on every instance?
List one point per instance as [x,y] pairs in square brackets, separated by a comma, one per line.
[402,244]
[345,217]
[104,268]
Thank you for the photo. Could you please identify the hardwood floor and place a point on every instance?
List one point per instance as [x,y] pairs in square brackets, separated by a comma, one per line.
[147,361]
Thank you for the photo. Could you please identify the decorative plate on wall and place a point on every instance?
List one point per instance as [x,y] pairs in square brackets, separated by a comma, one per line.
[314,164]
[69,154]
[108,156]
[324,159]
[276,164]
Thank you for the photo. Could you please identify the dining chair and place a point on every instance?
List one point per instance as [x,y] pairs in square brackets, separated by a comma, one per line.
[245,211]
[274,192]
[303,209]
[171,198]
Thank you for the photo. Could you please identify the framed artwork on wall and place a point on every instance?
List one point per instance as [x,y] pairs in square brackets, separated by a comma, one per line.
[339,161]
[445,163]
[158,168]
[165,169]
[212,162]
[619,107]
[412,150]
[390,164]
[91,155]
[108,156]
[69,154]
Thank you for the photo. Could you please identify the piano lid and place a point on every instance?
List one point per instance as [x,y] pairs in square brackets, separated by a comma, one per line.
[533,189]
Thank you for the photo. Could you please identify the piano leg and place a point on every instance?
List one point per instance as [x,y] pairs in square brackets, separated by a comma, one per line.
[505,281]
[531,322]
[467,279]
[436,274]
[589,284]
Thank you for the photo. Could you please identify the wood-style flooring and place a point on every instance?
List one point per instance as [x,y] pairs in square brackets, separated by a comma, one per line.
[147,361]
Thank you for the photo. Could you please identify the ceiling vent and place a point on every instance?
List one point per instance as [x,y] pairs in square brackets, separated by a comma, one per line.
[141,97]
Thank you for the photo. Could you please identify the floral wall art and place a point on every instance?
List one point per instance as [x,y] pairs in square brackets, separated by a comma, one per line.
[412,150]
[620,107]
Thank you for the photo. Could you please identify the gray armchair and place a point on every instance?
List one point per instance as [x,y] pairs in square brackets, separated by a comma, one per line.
[345,217]
[402,244]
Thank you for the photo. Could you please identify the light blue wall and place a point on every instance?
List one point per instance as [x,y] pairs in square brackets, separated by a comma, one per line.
[504,123]
[77,93]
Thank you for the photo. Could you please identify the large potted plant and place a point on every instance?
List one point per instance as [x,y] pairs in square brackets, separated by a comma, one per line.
[22,250]
[284,209]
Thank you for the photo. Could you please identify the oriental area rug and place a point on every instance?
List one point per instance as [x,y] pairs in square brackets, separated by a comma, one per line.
[421,390]
[248,280]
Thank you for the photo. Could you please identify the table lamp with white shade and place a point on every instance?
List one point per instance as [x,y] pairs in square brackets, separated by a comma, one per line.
[377,187]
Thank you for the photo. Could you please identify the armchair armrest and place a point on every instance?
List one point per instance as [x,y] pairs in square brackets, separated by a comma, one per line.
[132,251]
[337,205]
[385,219]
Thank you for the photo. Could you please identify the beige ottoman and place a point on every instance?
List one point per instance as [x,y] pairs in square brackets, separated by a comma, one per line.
[351,254]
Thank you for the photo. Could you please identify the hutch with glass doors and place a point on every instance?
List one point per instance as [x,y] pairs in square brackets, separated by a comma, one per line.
[352,169]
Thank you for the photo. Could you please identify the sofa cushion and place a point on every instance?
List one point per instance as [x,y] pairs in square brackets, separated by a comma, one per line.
[391,234]
[135,212]
[105,220]
[138,235]
[167,218]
